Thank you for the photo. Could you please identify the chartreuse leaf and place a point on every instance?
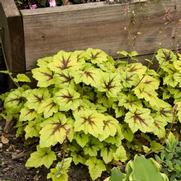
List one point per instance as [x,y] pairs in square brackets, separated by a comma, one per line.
[96,56]
[60,172]
[165,55]
[159,126]
[22,78]
[92,147]
[127,133]
[96,167]
[89,75]
[56,130]
[77,153]
[48,107]
[116,139]
[43,62]
[110,84]
[67,99]
[35,97]
[120,154]
[43,156]
[108,66]
[107,152]
[89,121]
[14,101]
[64,78]
[33,128]
[129,101]
[119,110]
[44,76]
[178,105]
[137,68]
[27,114]
[128,79]
[110,127]
[62,61]
[139,119]
[177,65]
[81,138]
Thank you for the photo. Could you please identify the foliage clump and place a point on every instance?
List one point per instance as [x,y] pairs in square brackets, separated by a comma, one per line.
[94,110]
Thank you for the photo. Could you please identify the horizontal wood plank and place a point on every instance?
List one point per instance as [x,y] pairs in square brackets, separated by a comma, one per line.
[12,36]
[143,27]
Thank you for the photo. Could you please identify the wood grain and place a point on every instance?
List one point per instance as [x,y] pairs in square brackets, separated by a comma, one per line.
[143,27]
[12,36]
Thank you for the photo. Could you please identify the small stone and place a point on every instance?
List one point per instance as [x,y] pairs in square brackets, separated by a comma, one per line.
[1,145]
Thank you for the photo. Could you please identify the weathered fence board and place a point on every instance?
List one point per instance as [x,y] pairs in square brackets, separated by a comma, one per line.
[11,35]
[143,27]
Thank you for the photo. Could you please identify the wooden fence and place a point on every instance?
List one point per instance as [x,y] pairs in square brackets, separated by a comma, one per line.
[142,26]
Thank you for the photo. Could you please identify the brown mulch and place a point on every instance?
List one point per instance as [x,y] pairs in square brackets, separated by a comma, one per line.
[13,155]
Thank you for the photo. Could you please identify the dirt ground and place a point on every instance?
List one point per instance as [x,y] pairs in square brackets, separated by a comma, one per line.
[13,156]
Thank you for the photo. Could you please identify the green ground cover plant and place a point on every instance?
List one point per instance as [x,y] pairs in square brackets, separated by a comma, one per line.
[90,109]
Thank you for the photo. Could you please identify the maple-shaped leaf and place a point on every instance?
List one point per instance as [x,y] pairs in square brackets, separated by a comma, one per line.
[120,154]
[48,107]
[116,139]
[90,122]
[128,79]
[35,97]
[43,156]
[22,78]
[56,130]
[89,75]
[108,66]
[79,54]
[129,101]
[14,101]
[139,119]
[127,133]
[159,126]
[178,109]
[119,110]
[77,153]
[96,56]
[96,167]
[110,127]
[177,65]
[64,78]
[67,99]
[107,152]
[150,82]
[92,147]
[43,62]
[104,100]
[110,84]
[44,76]
[137,68]
[146,88]
[27,114]
[62,61]
[143,92]
[81,138]
[170,80]
[166,113]
[177,77]
[60,172]
[165,55]
[33,128]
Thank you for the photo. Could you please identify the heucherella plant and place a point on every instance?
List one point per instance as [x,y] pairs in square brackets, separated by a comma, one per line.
[90,109]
